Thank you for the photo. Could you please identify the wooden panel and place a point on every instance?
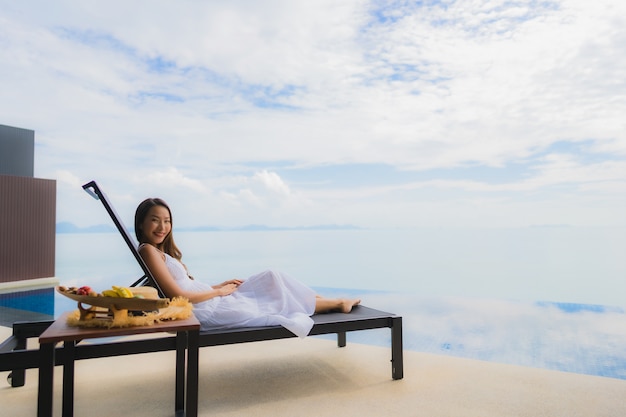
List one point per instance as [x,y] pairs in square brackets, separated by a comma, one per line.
[27,228]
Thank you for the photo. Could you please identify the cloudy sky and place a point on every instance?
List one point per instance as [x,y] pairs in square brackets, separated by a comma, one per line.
[287,113]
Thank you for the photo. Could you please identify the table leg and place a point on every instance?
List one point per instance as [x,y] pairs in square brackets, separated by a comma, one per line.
[69,350]
[181,345]
[193,341]
[46,380]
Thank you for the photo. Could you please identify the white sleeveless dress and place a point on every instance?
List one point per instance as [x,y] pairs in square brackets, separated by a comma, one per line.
[266,299]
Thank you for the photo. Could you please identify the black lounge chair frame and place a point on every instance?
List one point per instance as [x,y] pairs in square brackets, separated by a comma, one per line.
[361,318]
[15,357]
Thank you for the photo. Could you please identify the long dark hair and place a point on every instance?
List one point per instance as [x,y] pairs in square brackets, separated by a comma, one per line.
[168,246]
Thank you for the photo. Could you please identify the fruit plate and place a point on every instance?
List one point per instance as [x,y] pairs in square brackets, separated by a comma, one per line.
[119,303]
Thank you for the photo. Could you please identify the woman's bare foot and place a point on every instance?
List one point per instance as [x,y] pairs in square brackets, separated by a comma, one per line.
[326,305]
[346,305]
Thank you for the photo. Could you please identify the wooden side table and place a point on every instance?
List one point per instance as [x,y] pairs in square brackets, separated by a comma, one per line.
[187,335]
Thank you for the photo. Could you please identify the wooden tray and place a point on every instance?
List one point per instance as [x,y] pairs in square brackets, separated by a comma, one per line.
[119,303]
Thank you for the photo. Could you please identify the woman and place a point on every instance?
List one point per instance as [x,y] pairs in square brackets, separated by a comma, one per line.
[266,299]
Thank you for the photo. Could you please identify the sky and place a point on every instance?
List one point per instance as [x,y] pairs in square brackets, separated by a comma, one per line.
[301,113]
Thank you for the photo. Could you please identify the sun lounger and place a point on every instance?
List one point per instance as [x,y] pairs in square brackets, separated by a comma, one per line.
[15,357]
[361,318]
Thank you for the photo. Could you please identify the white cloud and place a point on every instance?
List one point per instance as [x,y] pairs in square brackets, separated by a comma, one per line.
[171,177]
[264,193]
[224,90]
[272,182]
[68,178]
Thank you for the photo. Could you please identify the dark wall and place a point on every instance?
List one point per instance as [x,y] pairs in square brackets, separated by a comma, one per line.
[27,228]
[17,150]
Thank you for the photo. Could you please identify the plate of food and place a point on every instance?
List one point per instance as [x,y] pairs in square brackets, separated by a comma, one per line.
[117,298]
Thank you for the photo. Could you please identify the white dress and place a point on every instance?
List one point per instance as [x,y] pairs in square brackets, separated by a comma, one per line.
[266,299]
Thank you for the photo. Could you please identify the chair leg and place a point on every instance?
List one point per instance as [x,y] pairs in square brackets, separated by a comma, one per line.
[341,339]
[22,331]
[18,376]
[397,362]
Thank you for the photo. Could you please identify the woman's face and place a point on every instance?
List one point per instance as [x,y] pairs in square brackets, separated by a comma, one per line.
[157,225]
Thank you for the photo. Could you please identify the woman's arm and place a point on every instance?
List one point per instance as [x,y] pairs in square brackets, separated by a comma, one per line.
[155,261]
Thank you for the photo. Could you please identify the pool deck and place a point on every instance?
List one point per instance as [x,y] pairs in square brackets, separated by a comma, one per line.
[312,377]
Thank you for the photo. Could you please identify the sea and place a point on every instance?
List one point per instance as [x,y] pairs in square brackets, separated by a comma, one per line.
[544,297]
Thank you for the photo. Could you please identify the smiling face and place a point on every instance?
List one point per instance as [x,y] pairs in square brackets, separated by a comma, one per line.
[156,226]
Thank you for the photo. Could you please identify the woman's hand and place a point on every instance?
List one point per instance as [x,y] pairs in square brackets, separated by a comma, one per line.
[227,289]
[235,281]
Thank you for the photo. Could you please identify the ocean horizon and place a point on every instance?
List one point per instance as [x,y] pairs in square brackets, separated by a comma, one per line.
[548,298]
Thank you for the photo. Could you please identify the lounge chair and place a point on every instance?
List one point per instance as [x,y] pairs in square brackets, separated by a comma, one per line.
[16,357]
[361,317]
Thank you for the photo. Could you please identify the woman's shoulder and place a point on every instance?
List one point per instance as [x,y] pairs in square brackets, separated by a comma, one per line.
[144,247]
[147,250]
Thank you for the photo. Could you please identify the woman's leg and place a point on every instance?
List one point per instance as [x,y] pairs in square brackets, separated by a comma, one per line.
[325,305]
